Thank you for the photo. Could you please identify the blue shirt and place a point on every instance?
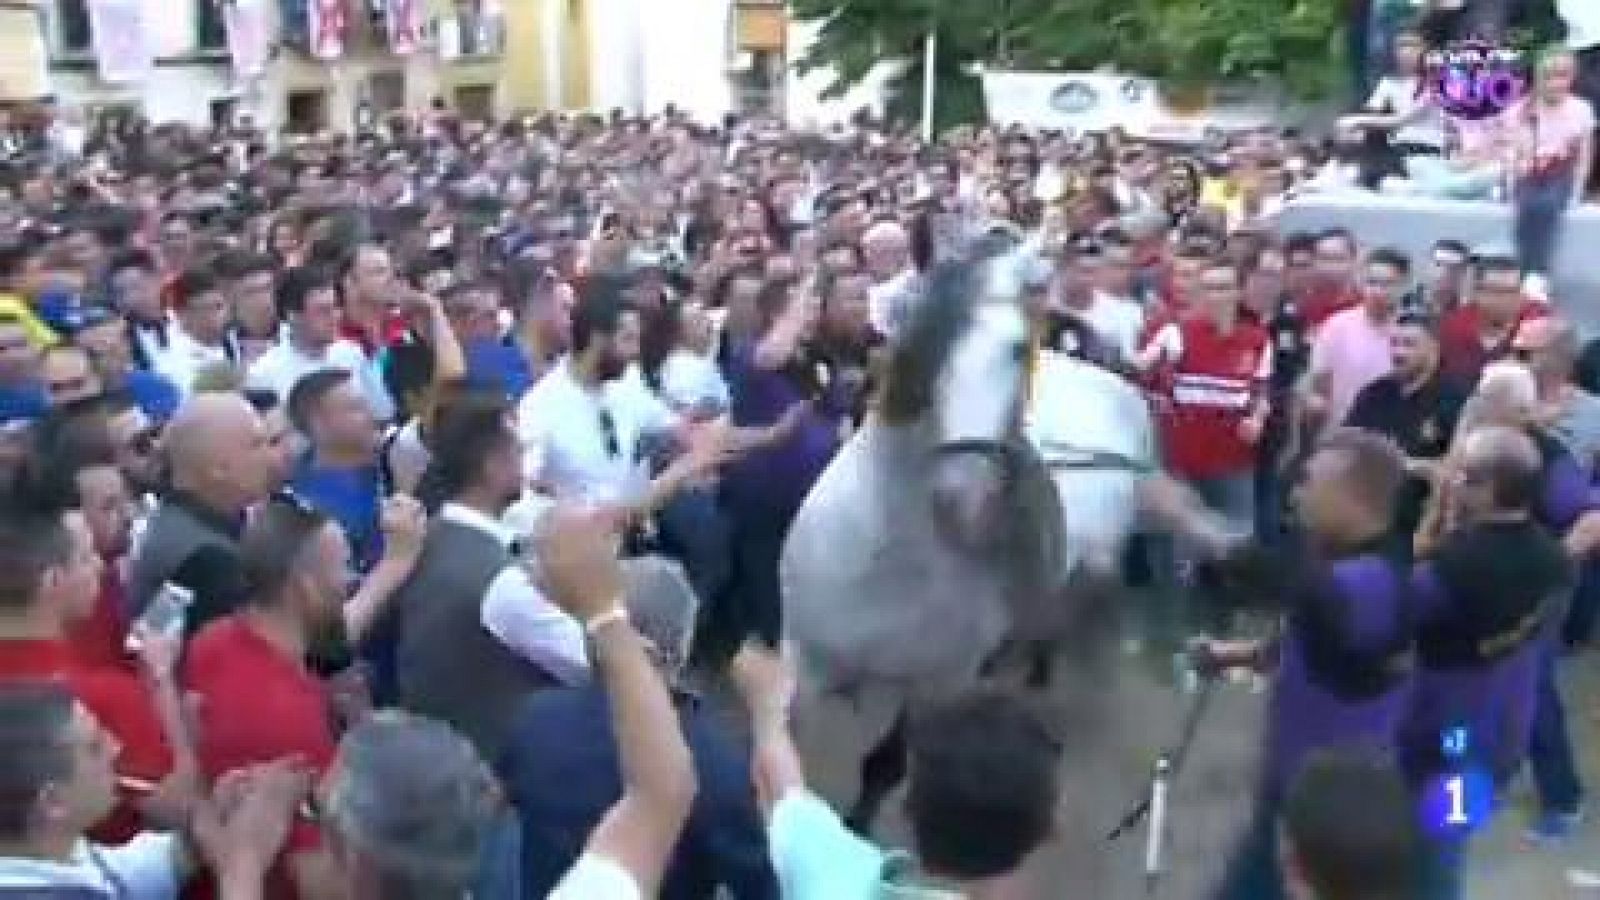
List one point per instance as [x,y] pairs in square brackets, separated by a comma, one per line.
[25,402]
[155,393]
[353,497]
[561,770]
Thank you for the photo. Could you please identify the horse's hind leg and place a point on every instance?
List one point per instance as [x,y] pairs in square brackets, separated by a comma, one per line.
[882,771]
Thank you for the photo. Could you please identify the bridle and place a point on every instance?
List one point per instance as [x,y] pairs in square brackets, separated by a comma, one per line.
[1057,457]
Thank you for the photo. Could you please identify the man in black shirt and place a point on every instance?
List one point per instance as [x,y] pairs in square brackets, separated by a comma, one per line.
[1416,406]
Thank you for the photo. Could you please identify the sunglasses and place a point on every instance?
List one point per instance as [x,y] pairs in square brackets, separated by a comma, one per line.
[608,432]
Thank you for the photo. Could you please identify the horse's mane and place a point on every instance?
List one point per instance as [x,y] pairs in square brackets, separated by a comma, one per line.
[938,319]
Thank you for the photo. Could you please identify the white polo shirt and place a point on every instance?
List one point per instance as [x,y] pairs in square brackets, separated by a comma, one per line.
[564,441]
[283,365]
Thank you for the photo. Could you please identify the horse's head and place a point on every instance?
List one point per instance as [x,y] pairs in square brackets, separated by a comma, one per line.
[960,370]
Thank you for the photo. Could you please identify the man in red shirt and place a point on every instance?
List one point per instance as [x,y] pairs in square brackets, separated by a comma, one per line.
[49,579]
[1331,284]
[1220,364]
[1482,329]
[76,463]
[369,288]
[258,701]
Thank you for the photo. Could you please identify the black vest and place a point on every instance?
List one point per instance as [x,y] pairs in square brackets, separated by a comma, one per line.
[1504,580]
[1321,621]
[449,666]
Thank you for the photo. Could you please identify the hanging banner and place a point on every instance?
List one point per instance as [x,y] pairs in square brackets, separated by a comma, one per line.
[405,26]
[121,45]
[246,24]
[327,22]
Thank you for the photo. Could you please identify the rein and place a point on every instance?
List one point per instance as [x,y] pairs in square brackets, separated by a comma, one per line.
[1056,456]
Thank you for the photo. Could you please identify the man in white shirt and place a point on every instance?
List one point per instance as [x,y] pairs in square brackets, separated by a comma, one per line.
[199,338]
[593,432]
[309,299]
[886,249]
[1085,276]
[582,424]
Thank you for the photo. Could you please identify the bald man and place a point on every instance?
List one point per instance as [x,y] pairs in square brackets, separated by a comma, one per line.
[1487,604]
[219,464]
[1551,348]
[886,250]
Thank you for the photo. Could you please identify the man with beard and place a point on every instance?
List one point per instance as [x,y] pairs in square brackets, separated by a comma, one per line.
[257,699]
[582,425]
[1415,406]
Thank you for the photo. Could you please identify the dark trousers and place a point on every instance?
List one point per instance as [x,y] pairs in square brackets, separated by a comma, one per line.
[1550,757]
[1541,205]
[695,532]
[1578,629]
[757,548]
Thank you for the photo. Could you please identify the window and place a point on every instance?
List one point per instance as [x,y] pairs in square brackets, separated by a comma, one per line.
[475,102]
[481,31]
[307,112]
[224,112]
[386,91]
[210,31]
[73,34]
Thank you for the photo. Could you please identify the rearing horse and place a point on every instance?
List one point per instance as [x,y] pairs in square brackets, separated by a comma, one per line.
[938,531]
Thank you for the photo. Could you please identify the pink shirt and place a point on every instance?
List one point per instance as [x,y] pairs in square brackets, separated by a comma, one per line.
[1552,132]
[1350,353]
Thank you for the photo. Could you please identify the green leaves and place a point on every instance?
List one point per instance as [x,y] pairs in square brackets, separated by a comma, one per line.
[1185,43]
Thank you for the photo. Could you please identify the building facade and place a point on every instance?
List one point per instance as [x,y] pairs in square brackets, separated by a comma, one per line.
[481,57]
[707,57]
[193,75]
[188,78]
[24,60]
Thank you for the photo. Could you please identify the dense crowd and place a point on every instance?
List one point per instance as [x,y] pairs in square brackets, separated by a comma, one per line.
[374,499]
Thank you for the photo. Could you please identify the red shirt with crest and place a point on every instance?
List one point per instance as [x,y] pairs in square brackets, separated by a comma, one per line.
[1215,381]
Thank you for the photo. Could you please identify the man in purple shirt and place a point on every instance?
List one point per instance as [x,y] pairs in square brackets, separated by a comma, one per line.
[1487,603]
[1345,657]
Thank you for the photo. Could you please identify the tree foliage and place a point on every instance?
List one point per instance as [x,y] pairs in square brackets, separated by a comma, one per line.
[1184,43]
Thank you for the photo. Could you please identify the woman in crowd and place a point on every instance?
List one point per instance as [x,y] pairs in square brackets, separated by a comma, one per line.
[1553,140]
[677,360]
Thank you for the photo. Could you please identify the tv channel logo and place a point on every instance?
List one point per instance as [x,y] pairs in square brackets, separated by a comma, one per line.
[1475,80]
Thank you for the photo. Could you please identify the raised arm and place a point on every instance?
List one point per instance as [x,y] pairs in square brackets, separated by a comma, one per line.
[404,525]
[640,831]
[766,684]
